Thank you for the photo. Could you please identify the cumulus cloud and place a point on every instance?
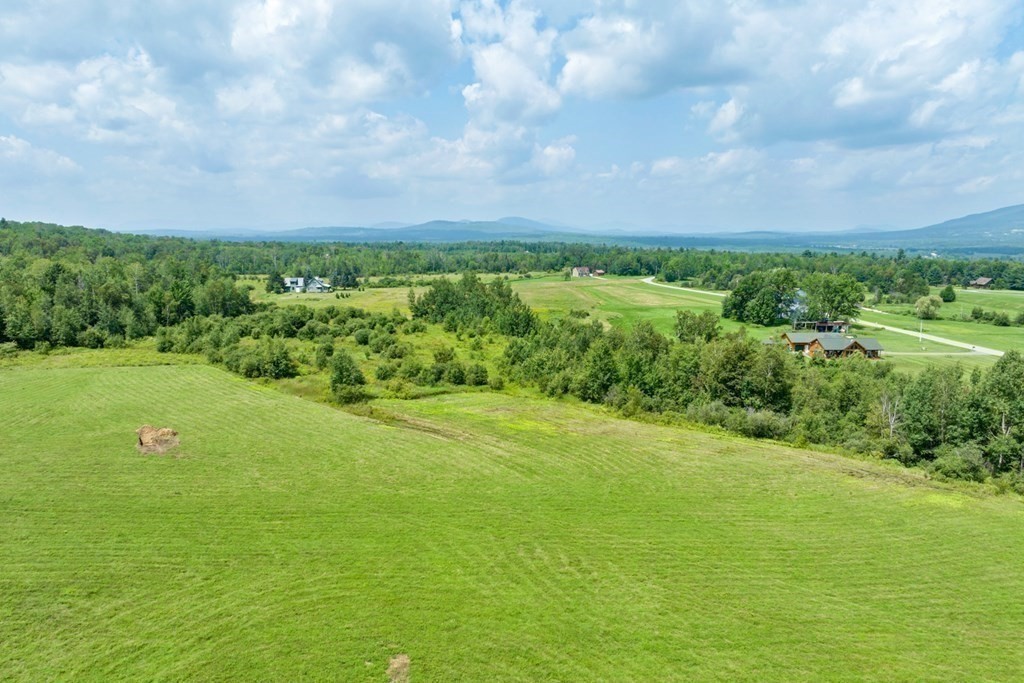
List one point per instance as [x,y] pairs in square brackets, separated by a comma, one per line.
[512,61]
[633,49]
[886,72]
[640,107]
[21,156]
[407,41]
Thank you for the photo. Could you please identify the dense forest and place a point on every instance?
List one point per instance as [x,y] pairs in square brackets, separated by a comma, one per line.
[77,287]
[68,286]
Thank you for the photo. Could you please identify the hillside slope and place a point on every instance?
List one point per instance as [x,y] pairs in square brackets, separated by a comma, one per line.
[485,536]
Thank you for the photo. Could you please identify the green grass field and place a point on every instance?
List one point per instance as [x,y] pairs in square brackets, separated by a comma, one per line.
[374,299]
[624,301]
[621,301]
[488,537]
[990,336]
[999,300]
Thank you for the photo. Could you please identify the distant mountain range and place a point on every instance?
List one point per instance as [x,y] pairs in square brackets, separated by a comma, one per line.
[994,233]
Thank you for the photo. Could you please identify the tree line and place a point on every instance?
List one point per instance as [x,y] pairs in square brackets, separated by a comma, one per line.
[895,274]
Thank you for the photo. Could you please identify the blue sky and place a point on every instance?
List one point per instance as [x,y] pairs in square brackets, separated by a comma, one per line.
[658,115]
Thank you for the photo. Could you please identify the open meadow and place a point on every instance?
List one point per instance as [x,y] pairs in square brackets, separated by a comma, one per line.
[485,536]
[619,301]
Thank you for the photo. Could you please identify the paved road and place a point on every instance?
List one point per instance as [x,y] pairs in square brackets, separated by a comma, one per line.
[650,281]
[944,354]
[898,330]
[932,337]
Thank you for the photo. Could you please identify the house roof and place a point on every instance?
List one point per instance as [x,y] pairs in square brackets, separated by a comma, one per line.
[801,337]
[831,341]
[981,281]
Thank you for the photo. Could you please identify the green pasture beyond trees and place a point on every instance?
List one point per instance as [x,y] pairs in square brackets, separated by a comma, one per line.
[485,536]
[624,301]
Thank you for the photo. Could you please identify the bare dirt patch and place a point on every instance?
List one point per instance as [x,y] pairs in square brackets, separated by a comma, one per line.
[156,440]
[398,669]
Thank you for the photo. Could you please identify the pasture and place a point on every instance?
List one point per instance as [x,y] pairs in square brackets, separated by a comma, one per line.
[989,336]
[624,301]
[485,536]
[619,301]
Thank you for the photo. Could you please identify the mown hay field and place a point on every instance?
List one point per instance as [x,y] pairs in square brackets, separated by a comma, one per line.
[483,536]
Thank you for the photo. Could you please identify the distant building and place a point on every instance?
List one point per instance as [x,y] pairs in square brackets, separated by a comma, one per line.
[598,273]
[835,326]
[581,271]
[831,345]
[300,284]
[981,282]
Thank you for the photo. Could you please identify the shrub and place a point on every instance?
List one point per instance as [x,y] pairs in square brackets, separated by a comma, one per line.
[415,327]
[396,351]
[324,352]
[765,424]
[362,336]
[386,371]
[444,355]
[312,329]
[476,375]
[344,375]
[455,373]
[961,462]
[898,450]
[347,395]
[275,362]
[714,413]
[400,388]
[381,341]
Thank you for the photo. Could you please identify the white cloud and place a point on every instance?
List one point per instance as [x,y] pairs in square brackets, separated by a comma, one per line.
[357,51]
[725,120]
[633,49]
[886,104]
[555,158]
[256,97]
[512,62]
[20,157]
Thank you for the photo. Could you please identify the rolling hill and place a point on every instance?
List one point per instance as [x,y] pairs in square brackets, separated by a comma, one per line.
[994,233]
